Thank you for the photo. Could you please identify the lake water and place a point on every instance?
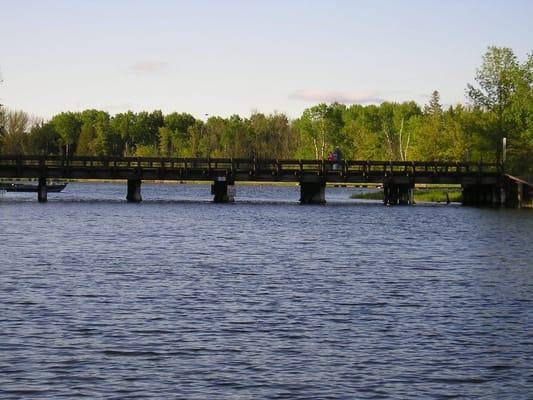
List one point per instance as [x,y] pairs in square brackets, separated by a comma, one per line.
[177,297]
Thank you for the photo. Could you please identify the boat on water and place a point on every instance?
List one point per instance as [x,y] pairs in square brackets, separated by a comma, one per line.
[29,187]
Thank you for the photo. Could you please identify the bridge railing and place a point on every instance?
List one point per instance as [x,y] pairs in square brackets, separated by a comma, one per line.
[253,165]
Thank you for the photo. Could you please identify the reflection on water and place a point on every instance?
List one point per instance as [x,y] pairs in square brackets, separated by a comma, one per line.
[262,298]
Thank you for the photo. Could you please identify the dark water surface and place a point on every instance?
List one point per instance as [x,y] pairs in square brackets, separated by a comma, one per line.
[177,297]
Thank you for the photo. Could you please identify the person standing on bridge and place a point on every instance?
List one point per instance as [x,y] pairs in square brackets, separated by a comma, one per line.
[337,156]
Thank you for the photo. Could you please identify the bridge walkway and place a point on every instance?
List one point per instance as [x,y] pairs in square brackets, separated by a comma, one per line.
[482,183]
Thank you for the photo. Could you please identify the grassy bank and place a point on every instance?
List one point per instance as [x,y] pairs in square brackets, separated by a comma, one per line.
[421,195]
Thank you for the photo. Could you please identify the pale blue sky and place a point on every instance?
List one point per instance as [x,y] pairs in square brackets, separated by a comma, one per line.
[225,57]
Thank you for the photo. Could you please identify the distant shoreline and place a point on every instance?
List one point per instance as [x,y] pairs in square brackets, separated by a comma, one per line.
[374,195]
[431,195]
[203,182]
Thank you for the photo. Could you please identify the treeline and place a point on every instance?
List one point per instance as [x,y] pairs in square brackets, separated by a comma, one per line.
[501,105]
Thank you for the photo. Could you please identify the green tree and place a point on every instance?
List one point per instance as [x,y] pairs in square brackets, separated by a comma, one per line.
[214,131]
[85,140]
[237,138]
[98,136]
[360,133]
[320,129]
[146,151]
[68,126]
[43,139]
[165,142]
[107,141]
[146,128]
[173,136]
[364,143]
[271,136]
[196,143]
[434,108]
[123,126]
[430,138]
[519,116]
[177,122]
[496,79]
[397,129]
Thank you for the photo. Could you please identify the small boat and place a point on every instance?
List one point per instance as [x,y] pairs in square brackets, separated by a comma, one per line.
[28,187]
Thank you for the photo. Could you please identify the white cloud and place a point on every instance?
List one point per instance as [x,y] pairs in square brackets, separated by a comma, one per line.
[339,97]
[148,66]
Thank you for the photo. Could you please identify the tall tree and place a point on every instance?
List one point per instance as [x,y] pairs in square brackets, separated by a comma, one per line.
[68,126]
[124,125]
[97,137]
[165,142]
[178,122]
[173,136]
[320,127]
[43,139]
[434,106]
[396,129]
[237,139]
[85,141]
[496,85]
[519,118]
[16,129]
[196,133]
[214,131]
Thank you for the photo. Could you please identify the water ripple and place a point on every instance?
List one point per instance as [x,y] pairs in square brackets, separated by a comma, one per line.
[179,297]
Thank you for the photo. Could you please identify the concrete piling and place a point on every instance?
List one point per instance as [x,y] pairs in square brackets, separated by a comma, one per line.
[134,191]
[223,190]
[312,192]
[42,190]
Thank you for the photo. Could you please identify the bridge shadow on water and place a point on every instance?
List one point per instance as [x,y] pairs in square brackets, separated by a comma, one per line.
[166,194]
[238,202]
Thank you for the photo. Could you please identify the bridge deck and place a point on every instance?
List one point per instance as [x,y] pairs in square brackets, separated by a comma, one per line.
[202,169]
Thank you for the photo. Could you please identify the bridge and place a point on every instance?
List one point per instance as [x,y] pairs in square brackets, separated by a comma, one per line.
[482,184]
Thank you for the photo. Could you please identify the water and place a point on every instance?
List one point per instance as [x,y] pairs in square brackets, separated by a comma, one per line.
[264,298]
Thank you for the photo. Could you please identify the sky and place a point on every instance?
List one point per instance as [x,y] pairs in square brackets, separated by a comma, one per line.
[235,57]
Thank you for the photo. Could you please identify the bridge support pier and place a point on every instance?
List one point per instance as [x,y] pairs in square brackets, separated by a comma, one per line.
[483,195]
[134,191]
[42,190]
[517,193]
[313,192]
[402,194]
[525,195]
[223,190]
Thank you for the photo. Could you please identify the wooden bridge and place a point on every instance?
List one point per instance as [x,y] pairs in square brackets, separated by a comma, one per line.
[482,183]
